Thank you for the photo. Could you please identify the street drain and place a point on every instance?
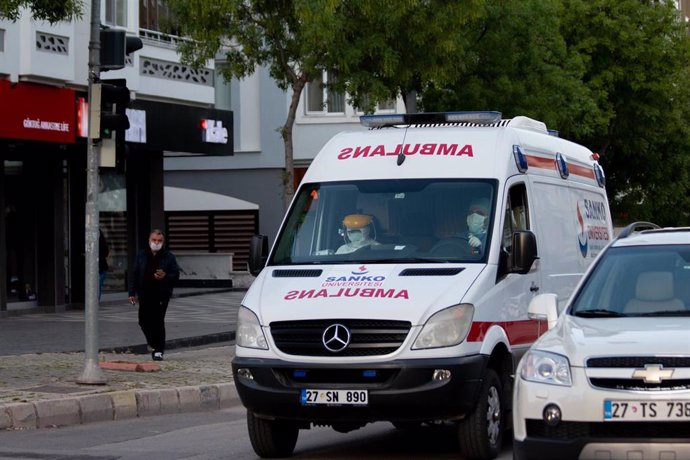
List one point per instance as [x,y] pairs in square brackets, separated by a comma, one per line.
[53,389]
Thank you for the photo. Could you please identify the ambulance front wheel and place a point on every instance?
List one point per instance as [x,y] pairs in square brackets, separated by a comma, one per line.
[481,432]
[271,438]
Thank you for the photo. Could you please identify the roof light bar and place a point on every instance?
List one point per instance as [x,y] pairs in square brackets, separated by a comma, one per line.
[483,118]
[377,121]
[430,118]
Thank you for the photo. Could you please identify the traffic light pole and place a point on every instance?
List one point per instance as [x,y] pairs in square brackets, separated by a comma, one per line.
[92,373]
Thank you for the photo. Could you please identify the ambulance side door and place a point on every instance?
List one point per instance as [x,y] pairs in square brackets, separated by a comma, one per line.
[519,289]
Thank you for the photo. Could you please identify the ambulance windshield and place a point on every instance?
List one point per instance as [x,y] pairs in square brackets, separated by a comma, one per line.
[388,221]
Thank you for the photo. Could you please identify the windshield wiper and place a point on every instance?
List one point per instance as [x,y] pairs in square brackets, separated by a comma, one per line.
[598,313]
[411,260]
[665,313]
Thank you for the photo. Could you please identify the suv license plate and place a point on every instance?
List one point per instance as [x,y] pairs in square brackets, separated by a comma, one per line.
[334,397]
[646,410]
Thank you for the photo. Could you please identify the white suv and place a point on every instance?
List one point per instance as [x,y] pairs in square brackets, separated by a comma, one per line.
[611,378]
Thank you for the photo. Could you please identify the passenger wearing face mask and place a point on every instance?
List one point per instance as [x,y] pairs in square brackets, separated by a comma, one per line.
[151,281]
[357,233]
[477,223]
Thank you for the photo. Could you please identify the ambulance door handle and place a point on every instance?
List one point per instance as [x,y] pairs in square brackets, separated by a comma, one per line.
[533,287]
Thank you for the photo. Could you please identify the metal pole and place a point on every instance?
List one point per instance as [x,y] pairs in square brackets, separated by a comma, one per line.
[92,373]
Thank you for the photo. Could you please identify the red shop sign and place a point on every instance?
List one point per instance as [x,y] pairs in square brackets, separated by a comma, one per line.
[36,112]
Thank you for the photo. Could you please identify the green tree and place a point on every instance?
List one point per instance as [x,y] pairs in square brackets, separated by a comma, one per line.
[369,46]
[605,73]
[394,48]
[49,10]
[517,62]
[636,56]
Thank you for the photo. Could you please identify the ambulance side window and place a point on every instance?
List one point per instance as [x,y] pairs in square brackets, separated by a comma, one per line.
[516,218]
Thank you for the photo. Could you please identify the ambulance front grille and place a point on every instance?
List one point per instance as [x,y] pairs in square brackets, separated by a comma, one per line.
[368,337]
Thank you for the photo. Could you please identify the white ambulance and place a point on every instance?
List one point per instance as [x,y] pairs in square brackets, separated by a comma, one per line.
[398,285]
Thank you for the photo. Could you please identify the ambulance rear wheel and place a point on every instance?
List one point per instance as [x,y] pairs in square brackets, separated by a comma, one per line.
[481,432]
[271,438]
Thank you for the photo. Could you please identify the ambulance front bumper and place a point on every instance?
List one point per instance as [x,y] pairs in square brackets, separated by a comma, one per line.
[403,390]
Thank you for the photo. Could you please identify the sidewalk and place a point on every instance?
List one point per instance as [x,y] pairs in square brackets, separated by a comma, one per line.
[41,357]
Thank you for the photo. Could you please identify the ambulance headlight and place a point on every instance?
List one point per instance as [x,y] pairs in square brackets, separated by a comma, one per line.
[544,367]
[446,328]
[249,333]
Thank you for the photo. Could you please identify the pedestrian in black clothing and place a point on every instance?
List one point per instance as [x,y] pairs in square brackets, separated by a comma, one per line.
[152,279]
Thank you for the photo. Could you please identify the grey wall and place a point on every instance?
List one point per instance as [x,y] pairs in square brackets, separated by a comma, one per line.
[260,186]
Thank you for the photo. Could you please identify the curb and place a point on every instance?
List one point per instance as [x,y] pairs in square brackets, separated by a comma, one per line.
[171,344]
[118,405]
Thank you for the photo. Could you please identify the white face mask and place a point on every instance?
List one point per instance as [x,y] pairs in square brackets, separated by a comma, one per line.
[475,223]
[355,235]
[155,247]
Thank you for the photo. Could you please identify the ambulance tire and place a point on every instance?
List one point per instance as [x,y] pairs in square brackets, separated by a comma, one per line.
[481,433]
[271,438]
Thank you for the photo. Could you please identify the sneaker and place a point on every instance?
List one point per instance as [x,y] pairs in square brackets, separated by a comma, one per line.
[157,356]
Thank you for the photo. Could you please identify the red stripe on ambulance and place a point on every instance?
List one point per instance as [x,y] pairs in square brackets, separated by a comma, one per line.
[518,332]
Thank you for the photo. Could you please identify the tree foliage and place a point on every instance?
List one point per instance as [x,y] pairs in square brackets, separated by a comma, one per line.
[374,49]
[49,10]
[636,57]
[382,50]
[604,73]
[517,63]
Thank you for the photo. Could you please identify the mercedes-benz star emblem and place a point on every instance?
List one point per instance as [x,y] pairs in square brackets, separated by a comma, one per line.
[336,338]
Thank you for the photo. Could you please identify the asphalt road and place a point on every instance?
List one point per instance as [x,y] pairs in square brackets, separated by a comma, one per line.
[219,435]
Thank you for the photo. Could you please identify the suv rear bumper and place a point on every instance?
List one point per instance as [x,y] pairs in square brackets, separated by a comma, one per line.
[547,449]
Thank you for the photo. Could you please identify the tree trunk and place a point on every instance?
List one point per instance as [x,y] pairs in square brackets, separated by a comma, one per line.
[289,173]
[411,101]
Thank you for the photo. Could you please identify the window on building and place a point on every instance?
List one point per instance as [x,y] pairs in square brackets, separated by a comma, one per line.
[116,12]
[2,40]
[382,106]
[387,105]
[322,99]
[153,15]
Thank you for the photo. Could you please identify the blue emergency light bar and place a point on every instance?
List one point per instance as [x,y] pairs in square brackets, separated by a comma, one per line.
[430,118]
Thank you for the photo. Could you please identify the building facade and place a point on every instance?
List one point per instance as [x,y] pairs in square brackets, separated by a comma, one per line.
[254,172]
[43,149]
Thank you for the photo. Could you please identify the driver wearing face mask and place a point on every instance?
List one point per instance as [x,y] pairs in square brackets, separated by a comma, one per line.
[357,233]
[477,223]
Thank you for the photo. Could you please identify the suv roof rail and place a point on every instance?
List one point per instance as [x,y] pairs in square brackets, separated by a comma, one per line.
[636,227]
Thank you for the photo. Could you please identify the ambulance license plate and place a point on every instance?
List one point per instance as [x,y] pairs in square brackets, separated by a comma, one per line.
[334,397]
[627,410]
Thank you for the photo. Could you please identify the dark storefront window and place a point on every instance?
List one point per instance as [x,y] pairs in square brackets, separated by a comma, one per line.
[112,206]
[19,250]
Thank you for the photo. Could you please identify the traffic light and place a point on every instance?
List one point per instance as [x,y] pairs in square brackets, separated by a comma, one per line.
[112,98]
[115,45]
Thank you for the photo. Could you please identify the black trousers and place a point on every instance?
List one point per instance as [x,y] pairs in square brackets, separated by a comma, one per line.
[152,320]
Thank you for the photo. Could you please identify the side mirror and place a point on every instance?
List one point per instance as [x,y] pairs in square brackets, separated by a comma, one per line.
[258,253]
[544,307]
[524,252]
